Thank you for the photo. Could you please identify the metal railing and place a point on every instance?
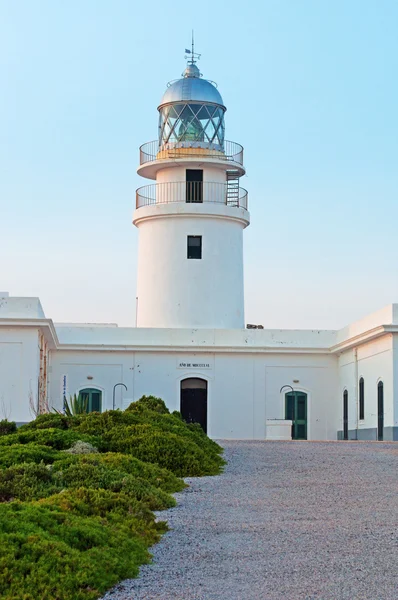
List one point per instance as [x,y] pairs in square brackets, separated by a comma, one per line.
[191,192]
[151,151]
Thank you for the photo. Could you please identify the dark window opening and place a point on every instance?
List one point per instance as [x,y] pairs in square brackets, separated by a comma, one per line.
[194,185]
[380,411]
[345,415]
[93,398]
[194,246]
[361,399]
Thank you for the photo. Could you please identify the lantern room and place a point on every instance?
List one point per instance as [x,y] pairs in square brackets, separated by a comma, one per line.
[191,113]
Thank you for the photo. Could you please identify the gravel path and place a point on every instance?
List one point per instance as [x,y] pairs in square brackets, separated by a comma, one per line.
[287,520]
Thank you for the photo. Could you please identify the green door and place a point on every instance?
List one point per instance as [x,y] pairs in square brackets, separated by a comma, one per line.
[296,411]
[94,399]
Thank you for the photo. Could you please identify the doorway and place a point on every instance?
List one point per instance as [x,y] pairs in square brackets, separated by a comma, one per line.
[94,398]
[296,411]
[194,401]
[380,411]
[345,415]
[194,185]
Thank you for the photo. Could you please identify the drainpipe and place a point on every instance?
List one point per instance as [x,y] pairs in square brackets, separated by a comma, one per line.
[356,390]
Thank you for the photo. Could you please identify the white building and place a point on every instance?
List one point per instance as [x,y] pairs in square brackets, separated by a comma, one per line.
[195,353]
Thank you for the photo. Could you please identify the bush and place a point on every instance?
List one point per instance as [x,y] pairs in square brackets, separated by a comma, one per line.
[46,421]
[129,465]
[89,471]
[55,438]
[149,403]
[75,520]
[145,434]
[110,505]
[49,553]
[7,427]
[20,453]
[157,476]
[181,456]
[27,481]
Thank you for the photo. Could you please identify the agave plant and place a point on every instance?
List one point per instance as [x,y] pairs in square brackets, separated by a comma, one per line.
[77,405]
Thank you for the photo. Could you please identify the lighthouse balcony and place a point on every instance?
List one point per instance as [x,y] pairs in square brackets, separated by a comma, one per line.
[154,157]
[195,192]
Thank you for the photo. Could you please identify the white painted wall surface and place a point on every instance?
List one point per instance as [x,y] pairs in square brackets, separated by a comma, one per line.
[395,378]
[20,307]
[177,173]
[100,370]
[243,389]
[374,363]
[176,292]
[315,375]
[19,372]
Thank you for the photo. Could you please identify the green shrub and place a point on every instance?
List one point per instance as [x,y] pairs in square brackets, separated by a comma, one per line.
[27,481]
[113,506]
[144,433]
[58,555]
[46,421]
[129,465]
[82,521]
[181,456]
[55,438]
[21,453]
[89,471]
[157,476]
[148,403]
[7,427]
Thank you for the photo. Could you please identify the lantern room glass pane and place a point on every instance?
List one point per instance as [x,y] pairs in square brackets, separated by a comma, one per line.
[195,123]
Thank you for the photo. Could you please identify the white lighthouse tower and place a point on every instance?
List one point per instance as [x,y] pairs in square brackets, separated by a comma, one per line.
[191,220]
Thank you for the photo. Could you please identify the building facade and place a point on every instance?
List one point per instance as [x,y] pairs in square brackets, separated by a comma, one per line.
[190,345]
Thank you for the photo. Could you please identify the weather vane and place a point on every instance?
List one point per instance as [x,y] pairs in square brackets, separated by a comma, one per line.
[191,54]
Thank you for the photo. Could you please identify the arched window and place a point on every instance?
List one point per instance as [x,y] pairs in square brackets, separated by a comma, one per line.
[361,399]
[345,415]
[94,399]
[380,411]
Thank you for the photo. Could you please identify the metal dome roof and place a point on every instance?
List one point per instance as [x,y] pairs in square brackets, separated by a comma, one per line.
[191,87]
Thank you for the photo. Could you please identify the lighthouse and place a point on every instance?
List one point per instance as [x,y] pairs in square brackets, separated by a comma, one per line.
[192,214]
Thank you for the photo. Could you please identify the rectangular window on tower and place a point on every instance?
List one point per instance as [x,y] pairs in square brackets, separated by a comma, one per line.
[194,246]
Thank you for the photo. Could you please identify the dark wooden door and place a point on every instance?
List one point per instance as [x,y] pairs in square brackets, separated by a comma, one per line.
[380,411]
[194,185]
[194,402]
[296,411]
[345,415]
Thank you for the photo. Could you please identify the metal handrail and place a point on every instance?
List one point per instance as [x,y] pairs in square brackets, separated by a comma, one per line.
[150,151]
[191,192]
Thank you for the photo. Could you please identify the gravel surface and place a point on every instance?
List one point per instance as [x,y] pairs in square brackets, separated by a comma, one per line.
[287,520]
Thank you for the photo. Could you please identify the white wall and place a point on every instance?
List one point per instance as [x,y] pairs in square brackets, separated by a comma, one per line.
[374,362]
[176,292]
[243,388]
[19,372]
[101,370]
[20,307]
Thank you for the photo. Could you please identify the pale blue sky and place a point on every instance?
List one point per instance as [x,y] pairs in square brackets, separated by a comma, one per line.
[311,88]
